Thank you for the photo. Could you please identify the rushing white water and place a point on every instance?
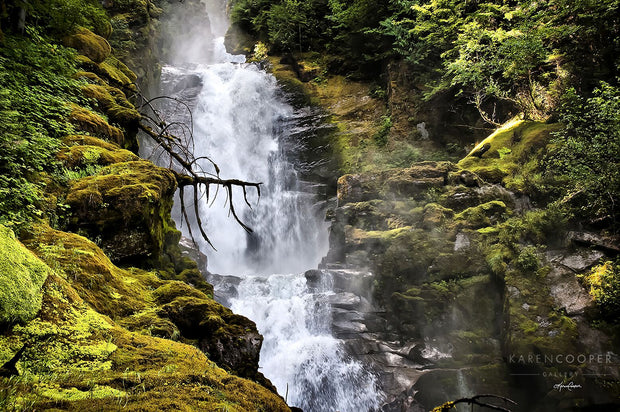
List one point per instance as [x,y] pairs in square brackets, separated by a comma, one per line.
[240,122]
[300,356]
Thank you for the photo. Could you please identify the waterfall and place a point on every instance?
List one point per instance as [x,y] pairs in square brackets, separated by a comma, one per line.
[242,123]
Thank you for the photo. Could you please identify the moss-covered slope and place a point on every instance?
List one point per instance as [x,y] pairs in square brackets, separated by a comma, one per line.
[99,310]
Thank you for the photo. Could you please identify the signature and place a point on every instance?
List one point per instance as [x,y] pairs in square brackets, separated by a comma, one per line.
[568,386]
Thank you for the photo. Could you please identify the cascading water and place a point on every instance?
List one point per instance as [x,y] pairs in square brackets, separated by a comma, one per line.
[241,122]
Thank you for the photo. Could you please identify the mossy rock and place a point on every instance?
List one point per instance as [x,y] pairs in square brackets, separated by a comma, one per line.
[77,359]
[113,102]
[148,322]
[412,182]
[127,207]
[482,215]
[118,73]
[510,152]
[90,77]
[22,276]
[91,122]
[174,289]
[436,216]
[89,44]
[106,288]
[85,155]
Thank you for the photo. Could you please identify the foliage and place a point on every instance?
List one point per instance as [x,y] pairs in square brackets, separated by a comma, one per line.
[286,25]
[520,52]
[603,282]
[381,137]
[60,16]
[502,56]
[586,154]
[35,87]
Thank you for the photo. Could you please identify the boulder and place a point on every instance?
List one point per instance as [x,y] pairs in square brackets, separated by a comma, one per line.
[89,44]
[22,276]
[126,208]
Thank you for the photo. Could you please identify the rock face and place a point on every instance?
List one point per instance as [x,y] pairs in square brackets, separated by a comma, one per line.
[464,296]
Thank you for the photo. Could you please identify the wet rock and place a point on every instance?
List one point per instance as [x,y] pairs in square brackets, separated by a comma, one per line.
[563,284]
[232,341]
[462,242]
[346,300]
[399,183]
[605,243]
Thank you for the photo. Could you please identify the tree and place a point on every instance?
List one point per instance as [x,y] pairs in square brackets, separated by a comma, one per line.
[585,156]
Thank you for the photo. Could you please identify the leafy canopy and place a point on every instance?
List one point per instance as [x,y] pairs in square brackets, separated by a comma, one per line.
[586,154]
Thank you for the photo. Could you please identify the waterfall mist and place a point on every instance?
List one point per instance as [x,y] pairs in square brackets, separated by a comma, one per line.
[239,120]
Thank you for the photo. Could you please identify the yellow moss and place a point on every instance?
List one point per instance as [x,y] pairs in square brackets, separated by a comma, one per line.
[91,45]
[113,101]
[514,151]
[21,278]
[95,124]
[74,394]
[90,77]
[482,215]
[174,289]
[85,361]
[84,155]
[148,322]
[88,140]
[118,72]
[91,273]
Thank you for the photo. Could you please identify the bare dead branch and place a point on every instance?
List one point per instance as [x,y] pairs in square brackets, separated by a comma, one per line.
[476,400]
[191,172]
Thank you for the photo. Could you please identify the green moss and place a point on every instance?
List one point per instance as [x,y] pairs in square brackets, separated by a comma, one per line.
[148,322]
[482,215]
[95,124]
[81,156]
[513,155]
[87,43]
[137,196]
[118,72]
[436,215]
[174,289]
[105,287]
[113,102]
[74,394]
[21,279]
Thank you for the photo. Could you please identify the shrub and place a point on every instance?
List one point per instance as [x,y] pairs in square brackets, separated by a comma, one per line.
[603,282]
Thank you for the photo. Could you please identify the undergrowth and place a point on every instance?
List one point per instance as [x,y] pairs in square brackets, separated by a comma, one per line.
[35,89]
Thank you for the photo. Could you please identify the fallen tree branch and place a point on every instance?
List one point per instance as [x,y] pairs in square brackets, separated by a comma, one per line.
[475,400]
[189,176]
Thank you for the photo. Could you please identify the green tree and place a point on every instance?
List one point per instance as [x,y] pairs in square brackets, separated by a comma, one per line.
[586,155]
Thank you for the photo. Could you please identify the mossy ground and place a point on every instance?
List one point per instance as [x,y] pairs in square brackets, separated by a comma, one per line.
[94,344]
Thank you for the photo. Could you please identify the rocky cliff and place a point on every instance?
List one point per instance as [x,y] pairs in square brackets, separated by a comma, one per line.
[457,277]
